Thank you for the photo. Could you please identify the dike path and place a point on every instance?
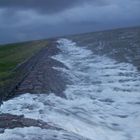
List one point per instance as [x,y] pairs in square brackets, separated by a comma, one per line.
[41,79]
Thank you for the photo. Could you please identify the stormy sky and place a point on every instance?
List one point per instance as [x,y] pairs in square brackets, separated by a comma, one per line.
[34,19]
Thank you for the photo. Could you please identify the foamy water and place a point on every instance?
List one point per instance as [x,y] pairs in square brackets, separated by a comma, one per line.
[102,103]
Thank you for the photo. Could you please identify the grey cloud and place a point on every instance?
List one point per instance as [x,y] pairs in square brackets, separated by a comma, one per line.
[35,19]
[46,6]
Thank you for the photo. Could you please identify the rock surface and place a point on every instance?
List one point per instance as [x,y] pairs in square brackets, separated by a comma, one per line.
[122,45]
[9,121]
[43,78]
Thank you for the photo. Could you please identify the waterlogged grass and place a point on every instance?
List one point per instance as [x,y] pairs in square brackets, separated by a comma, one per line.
[12,55]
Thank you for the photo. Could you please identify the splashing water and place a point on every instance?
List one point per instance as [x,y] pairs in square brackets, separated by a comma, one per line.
[103,101]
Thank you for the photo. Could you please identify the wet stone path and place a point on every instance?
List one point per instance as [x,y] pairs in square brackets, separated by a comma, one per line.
[43,78]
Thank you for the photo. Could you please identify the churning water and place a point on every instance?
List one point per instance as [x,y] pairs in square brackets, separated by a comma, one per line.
[102,103]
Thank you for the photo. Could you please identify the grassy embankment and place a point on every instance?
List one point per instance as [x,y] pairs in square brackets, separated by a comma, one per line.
[11,56]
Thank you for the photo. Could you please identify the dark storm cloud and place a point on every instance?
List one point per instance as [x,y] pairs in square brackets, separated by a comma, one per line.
[45,6]
[33,19]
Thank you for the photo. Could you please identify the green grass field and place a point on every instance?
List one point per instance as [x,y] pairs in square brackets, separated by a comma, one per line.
[12,55]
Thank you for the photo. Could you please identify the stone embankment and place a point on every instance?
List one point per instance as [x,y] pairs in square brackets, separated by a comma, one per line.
[37,75]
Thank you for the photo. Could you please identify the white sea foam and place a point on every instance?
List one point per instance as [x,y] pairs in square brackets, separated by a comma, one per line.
[102,103]
[34,133]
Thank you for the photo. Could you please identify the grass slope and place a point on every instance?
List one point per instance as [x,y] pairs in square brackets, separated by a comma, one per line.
[12,55]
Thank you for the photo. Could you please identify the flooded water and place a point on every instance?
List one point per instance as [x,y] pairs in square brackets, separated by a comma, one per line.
[102,103]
